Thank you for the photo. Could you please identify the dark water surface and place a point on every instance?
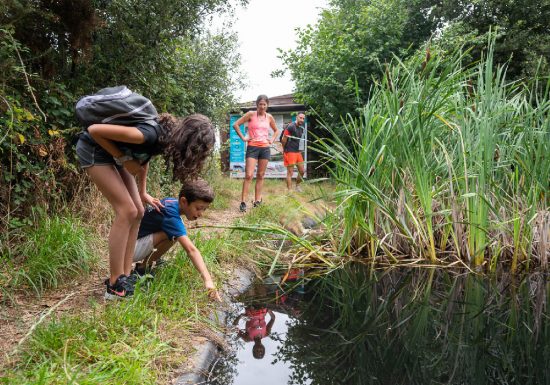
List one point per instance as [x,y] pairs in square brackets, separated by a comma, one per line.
[396,327]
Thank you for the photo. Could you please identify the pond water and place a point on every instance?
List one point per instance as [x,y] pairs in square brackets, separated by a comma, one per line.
[261,318]
[419,326]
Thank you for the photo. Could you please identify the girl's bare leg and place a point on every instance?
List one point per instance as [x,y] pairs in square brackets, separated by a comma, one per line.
[131,186]
[109,181]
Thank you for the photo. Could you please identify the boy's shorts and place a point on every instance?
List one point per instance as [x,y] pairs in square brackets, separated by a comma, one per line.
[258,152]
[292,158]
[144,248]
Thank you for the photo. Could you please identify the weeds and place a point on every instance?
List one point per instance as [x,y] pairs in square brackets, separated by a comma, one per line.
[127,342]
[117,346]
[50,250]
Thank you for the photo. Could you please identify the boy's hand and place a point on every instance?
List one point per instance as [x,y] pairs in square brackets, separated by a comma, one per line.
[212,292]
[214,295]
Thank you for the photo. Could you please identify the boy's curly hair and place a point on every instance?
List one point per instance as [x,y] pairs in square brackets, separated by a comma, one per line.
[186,144]
[197,189]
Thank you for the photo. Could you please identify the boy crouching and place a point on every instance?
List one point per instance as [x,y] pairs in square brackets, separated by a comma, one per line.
[159,231]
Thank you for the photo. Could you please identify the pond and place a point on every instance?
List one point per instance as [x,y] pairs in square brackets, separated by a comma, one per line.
[402,326]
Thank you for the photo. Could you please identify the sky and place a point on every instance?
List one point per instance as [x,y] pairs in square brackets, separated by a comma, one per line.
[262,27]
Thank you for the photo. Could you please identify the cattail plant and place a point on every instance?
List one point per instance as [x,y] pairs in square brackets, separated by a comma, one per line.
[445,165]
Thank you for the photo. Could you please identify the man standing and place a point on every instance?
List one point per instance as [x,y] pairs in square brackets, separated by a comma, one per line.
[291,150]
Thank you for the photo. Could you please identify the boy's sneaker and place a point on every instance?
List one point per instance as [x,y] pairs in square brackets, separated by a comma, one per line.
[242,207]
[140,273]
[298,189]
[122,288]
[257,203]
[160,262]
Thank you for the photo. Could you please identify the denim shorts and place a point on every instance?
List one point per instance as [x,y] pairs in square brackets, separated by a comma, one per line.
[92,154]
[258,152]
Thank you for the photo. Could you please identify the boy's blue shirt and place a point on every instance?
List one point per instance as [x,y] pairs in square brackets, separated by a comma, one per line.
[168,220]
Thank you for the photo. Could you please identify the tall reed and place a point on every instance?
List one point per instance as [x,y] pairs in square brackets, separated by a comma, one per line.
[445,164]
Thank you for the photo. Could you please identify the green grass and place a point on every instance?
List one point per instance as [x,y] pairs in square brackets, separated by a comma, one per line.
[227,190]
[117,346]
[126,342]
[50,251]
[269,236]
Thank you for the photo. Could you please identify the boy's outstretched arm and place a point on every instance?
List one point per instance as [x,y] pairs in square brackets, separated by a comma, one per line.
[198,262]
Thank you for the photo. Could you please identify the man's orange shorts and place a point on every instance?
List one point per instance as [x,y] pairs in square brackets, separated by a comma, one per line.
[292,158]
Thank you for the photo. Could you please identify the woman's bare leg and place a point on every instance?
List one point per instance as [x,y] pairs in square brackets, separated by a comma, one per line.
[248,175]
[262,166]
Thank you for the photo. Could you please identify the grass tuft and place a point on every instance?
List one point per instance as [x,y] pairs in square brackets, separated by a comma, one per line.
[50,251]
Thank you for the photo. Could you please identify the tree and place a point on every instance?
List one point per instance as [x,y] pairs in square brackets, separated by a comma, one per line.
[54,51]
[522,27]
[335,61]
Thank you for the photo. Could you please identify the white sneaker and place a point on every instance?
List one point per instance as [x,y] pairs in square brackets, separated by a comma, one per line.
[298,189]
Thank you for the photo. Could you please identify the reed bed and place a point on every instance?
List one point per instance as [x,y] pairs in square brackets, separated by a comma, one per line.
[446,165]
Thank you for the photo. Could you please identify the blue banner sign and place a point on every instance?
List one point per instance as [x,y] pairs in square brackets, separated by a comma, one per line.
[237,147]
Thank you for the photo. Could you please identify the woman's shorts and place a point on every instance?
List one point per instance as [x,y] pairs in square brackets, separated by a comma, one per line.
[258,152]
[92,155]
[144,248]
[292,158]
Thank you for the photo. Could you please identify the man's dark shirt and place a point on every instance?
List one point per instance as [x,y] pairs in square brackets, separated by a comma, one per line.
[296,132]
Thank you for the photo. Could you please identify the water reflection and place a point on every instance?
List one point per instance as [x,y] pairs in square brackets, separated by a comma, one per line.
[423,327]
[261,319]
[256,327]
[407,327]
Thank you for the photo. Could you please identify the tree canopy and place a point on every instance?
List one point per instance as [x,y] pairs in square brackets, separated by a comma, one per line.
[337,59]
[54,51]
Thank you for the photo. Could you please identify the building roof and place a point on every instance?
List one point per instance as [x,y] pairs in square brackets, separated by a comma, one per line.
[277,103]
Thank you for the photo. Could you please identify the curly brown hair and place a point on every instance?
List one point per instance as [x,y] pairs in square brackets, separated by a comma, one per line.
[186,144]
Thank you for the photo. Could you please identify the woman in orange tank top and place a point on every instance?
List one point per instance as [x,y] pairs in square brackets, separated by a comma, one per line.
[258,149]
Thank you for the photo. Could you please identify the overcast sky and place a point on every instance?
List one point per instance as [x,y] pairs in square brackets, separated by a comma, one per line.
[262,27]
